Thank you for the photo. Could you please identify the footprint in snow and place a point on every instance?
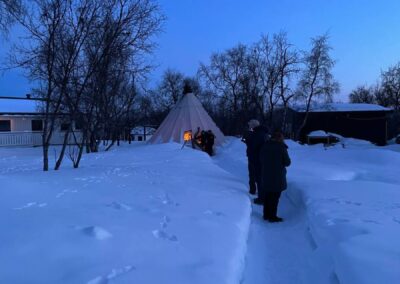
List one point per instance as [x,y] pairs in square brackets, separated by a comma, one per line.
[331,222]
[347,202]
[119,206]
[62,193]
[216,213]
[105,279]
[396,220]
[370,221]
[161,234]
[165,199]
[31,204]
[165,221]
[394,206]
[91,179]
[96,232]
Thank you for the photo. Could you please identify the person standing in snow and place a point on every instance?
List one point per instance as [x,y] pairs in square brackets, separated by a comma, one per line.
[274,159]
[254,140]
[246,139]
[209,144]
[196,140]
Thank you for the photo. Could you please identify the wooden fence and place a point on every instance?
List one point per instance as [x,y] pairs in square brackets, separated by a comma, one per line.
[34,138]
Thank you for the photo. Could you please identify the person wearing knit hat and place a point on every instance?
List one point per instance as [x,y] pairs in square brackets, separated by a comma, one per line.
[253,123]
[254,139]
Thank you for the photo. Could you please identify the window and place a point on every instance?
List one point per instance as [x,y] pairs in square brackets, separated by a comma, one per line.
[65,126]
[78,126]
[5,125]
[37,125]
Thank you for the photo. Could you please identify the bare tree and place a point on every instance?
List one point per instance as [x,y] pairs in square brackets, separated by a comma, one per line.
[9,9]
[169,91]
[390,95]
[288,60]
[71,43]
[225,76]
[362,94]
[44,23]
[265,72]
[317,82]
[113,64]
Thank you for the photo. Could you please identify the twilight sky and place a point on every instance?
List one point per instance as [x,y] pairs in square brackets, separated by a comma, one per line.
[365,35]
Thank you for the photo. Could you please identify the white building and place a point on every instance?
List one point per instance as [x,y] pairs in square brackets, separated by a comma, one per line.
[21,123]
[142,133]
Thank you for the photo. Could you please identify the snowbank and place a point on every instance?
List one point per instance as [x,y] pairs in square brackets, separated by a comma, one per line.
[352,200]
[138,214]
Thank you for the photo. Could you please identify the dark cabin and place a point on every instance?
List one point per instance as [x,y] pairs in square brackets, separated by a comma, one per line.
[361,121]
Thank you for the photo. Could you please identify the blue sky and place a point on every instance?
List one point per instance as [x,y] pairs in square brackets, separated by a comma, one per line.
[365,35]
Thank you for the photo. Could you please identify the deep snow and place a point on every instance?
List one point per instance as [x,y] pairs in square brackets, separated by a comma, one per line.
[159,214]
[341,214]
[138,214]
[279,252]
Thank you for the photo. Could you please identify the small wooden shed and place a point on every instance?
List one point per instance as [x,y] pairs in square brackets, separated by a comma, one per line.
[361,121]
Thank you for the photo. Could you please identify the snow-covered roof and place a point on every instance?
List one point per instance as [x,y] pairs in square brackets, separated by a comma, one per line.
[18,106]
[318,133]
[340,107]
[139,130]
[322,133]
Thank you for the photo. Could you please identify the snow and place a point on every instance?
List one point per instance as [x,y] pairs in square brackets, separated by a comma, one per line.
[276,253]
[13,106]
[137,214]
[351,195]
[341,211]
[159,214]
[341,107]
[318,133]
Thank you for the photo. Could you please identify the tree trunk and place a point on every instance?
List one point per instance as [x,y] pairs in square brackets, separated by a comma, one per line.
[109,146]
[305,117]
[45,147]
[64,146]
[283,125]
[45,156]
[81,147]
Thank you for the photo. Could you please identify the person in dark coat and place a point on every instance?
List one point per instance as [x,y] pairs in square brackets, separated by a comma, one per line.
[209,143]
[196,140]
[254,142]
[203,139]
[246,138]
[274,159]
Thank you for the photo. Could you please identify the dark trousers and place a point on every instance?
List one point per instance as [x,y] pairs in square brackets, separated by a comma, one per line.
[271,204]
[252,177]
[255,178]
[208,149]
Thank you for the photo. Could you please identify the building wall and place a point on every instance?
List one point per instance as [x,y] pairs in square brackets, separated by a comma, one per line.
[371,126]
[21,133]
[19,123]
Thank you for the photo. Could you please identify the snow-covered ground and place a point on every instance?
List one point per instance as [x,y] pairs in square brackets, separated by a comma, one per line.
[352,199]
[137,214]
[342,216]
[159,214]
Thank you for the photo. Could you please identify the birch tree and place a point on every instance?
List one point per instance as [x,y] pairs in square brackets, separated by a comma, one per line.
[317,83]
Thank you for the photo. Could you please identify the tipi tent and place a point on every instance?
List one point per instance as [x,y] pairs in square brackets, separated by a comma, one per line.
[188,114]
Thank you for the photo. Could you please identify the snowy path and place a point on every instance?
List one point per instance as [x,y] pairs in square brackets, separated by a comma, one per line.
[276,253]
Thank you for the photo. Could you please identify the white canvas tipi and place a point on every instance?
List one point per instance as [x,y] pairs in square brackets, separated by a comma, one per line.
[188,114]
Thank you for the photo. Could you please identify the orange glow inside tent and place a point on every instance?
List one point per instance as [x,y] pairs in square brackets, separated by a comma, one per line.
[187,135]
